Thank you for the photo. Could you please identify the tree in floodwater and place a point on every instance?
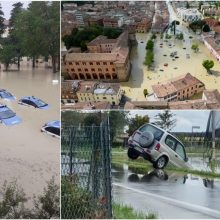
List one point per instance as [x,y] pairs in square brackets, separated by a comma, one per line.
[15,12]
[2,25]
[38,30]
[7,52]
[165,120]
[208,64]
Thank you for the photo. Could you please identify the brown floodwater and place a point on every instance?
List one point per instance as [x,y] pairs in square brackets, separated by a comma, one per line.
[141,78]
[26,154]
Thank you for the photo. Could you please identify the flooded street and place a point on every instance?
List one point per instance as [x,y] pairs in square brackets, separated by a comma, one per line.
[26,154]
[168,194]
[141,78]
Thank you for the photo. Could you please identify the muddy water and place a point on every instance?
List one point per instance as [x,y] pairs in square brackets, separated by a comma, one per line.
[26,154]
[141,78]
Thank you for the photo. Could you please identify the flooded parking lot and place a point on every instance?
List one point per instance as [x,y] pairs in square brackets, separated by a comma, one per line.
[26,154]
[141,78]
[168,194]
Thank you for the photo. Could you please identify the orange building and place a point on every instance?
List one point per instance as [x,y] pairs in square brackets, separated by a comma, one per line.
[180,88]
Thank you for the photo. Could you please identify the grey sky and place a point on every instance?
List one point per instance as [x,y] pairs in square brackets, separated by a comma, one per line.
[185,119]
[7,6]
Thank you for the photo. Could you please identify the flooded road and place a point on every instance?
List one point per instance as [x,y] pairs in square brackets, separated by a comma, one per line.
[141,78]
[168,194]
[26,154]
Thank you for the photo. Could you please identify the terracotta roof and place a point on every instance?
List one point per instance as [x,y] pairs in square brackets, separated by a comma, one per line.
[212,95]
[177,84]
[101,40]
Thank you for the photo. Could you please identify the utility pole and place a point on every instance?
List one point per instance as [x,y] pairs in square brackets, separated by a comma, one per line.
[213,134]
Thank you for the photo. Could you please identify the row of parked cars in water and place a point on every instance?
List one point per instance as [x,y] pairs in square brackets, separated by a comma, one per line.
[8,117]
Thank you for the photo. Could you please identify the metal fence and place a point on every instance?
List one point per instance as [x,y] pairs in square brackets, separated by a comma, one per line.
[86,172]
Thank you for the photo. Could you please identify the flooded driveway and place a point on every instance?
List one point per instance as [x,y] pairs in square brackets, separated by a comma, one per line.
[141,78]
[26,154]
[168,194]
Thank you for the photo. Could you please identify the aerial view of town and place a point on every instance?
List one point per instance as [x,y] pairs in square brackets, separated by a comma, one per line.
[140,55]
[29,109]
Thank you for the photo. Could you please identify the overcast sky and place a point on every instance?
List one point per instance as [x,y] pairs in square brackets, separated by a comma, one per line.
[185,119]
[7,6]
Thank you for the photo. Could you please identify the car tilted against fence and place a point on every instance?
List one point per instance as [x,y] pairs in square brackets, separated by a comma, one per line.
[52,128]
[157,146]
[33,101]
[4,94]
[7,116]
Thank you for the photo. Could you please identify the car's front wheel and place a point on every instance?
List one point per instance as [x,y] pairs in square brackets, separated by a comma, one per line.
[161,162]
[132,154]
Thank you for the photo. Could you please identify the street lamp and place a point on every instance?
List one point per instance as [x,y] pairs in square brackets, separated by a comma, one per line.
[194,127]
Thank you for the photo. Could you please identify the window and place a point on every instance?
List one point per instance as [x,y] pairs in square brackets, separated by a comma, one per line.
[111,63]
[73,70]
[79,69]
[84,63]
[86,70]
[91,63]
[113,69]
[170,142]
[104,98]
[53,130]
[77,63]
[97,63]
[192,88]
[93,69]
[187,90]
[70,63]
[99,69]
[180,150]
[104,63]
[106,69]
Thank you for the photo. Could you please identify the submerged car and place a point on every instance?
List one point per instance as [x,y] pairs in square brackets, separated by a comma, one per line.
[157,146]
[7,116]
[52,128]
[33,101]
[4,94]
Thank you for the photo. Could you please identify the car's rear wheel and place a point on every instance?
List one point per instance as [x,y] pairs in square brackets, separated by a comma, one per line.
[132,154]
[161,162]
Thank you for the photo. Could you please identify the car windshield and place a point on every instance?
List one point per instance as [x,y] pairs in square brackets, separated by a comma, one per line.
[6,95]
[40,103]
[155,131]
[6,114]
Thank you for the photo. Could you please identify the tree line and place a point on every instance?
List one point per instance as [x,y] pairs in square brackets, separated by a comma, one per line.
[32,32]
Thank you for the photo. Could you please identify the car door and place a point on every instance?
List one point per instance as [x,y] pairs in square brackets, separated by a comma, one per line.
[169,147]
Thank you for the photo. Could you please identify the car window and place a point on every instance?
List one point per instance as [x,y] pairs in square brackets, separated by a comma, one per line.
[6,114]
[170,142]
[53,130]
[155,131]
[180,150]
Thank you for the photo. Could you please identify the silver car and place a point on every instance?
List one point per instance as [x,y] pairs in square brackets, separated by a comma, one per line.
[157,146]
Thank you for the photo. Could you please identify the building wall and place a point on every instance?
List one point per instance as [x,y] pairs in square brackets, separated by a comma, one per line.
[112,99]
[97,70]
[190,91]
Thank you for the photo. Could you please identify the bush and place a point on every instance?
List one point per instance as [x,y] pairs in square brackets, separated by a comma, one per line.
[145,92]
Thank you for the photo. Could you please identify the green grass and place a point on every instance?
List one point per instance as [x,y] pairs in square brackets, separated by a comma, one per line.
[121,211]
[143,166]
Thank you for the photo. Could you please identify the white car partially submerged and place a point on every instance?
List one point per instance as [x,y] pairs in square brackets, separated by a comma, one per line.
[157,146]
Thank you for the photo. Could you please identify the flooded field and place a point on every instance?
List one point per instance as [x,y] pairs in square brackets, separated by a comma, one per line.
[168,194]
[26,154]
[141,78]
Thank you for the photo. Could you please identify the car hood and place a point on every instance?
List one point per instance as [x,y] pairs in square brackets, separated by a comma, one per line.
[11,121]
